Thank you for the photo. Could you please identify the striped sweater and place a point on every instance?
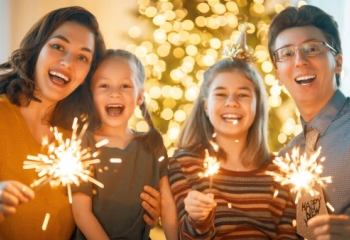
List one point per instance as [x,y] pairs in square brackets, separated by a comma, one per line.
[246,205]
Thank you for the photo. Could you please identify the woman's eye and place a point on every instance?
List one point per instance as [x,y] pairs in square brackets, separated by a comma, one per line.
[126,86]
[82,58]
[103,86]
[57,46]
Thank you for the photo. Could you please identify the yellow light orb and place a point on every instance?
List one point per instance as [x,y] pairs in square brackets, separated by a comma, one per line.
[173,133]
[192,93]
[194,39]
[159,20]
[142,126]
[267,66]
[134,32]
[203,7]
[167,114]
[282,138]
[166,91]
[159,35]
[180,116]
[151,12]
[269,79]
[176,93]
[187,25]
[179,52]
[155,92]
[219,8]
[201,21]
[191,50]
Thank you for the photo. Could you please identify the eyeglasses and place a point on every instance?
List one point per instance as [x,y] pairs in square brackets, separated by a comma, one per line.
[312,48]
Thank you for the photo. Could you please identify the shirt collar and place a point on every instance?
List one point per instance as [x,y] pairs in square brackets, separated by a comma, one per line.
[327,114]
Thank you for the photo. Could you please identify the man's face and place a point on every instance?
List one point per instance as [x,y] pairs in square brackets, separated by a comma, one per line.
[309,79]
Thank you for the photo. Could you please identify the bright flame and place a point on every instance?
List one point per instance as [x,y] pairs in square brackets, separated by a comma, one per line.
[302,173]
[211,164]
[65,163]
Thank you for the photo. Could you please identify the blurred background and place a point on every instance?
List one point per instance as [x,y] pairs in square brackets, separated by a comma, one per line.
[177,41]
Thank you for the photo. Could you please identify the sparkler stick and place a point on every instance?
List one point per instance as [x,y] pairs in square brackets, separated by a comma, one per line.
[302,173]
[65,163]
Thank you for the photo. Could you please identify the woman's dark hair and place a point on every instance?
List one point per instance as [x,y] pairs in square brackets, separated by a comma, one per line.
[17,79]
[306,15]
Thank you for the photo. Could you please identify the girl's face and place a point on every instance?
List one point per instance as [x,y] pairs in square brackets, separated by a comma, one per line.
[231,104]
[115,93]
[63,62]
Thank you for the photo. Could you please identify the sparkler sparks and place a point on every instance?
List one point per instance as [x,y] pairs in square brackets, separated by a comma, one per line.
[211,164]
[302,173]
[65,163]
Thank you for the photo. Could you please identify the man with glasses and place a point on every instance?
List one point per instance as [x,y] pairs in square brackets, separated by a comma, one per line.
[305,48]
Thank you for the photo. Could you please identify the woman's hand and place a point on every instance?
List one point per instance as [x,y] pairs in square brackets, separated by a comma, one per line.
[12,195]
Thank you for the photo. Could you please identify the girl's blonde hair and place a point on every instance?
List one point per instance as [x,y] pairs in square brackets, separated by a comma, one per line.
[198,130]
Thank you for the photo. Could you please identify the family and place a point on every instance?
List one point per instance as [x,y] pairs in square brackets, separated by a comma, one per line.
[62,70]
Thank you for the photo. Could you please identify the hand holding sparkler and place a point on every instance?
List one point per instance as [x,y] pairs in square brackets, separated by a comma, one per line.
[12,195]
[199,205]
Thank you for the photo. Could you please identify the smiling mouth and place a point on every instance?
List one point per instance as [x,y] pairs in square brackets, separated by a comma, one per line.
[59,78]
[233,118]
[305,80]
[114,109]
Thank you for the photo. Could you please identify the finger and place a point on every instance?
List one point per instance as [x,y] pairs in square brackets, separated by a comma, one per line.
[7,210]
[149,221]
[26,192]
[155,203]
[152,192]
[153,213]
[203,198]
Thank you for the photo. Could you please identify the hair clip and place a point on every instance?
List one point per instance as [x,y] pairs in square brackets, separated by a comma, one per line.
[240,50]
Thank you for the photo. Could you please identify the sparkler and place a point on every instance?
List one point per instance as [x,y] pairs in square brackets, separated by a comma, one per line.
[302,173]
[211,164]
[66,163]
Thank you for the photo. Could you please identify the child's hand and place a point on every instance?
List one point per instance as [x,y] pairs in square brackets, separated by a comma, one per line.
[151,203]
[13,194]
[198,205]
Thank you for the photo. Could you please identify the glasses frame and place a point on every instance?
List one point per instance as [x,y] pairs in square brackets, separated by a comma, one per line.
[297,47]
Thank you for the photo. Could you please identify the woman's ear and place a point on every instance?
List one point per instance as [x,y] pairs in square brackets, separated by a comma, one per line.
[140,98]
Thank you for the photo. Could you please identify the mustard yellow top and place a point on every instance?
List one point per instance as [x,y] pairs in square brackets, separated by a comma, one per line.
[16,142]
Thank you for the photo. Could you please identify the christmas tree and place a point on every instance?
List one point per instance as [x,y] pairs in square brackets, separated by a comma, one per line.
[178,40]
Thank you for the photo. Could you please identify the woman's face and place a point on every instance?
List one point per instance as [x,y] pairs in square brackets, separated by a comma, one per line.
[63,62]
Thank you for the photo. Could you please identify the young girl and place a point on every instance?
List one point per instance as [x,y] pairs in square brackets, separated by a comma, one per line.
[117,211]
[241,203]
[42,81]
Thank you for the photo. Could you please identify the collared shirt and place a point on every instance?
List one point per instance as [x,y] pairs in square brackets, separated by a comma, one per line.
[333,124]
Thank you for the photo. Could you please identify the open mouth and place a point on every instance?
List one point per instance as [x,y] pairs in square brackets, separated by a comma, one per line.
[59,78]
[233,118]
[305,80]
[114,109]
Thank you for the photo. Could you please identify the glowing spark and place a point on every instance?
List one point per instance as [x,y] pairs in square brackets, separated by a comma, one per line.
[65,163]
[115,160]
[229,205]
[294,222]
[330,206]
[235,122]
[275,194]
[46,221]
[211,164]
[161,158]
[302,173]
